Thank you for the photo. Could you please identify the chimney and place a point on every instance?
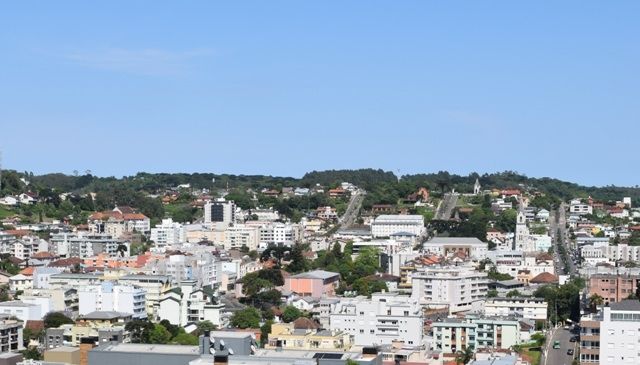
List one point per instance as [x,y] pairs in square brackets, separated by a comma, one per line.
[86,344]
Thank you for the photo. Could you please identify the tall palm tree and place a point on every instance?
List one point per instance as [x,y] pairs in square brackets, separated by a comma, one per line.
[464,356]
[595,301]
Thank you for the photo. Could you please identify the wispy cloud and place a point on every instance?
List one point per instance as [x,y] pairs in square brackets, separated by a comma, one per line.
[149,61]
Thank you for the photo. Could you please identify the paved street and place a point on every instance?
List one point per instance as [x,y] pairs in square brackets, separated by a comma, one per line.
[559,356]
[351,213]
[558,221]
[445,209]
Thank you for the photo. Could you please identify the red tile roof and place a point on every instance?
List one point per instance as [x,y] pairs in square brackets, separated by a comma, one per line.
[544,278]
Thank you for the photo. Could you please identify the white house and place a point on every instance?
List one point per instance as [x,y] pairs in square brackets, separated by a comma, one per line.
[22,311]
[20,282]
[527,308]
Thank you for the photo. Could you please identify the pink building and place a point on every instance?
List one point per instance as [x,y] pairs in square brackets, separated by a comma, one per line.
[316,284]
[614,288]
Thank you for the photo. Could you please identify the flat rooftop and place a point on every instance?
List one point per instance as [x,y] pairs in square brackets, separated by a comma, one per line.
[152,348]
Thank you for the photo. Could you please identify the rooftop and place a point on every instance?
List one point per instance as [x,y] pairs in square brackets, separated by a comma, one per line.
[139,347]
[316,274]
[626,305]
[455,240]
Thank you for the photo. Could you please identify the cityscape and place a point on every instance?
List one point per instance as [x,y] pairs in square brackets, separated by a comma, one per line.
[319,182]
[357,266]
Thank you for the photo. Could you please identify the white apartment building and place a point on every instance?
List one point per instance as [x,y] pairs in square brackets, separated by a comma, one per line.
[576,207]
[620,333]
[387,225]
[458,288]
[167,233]
[381,320]
[83,244]
[445,246]
[188,304]
[220,211]
[42,276]
[20,282]
[153,285]
[112,298]
[279,234]
[27,246]
[527,308]
[594,254]
[453,335]
[238,235]
[23,311]
[512,262]
[203,267]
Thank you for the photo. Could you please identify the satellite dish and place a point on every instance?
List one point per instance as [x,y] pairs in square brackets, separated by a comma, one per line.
[212,351]
[253,349]
[230,351]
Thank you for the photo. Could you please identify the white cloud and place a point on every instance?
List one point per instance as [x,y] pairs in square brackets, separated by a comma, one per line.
[150,61]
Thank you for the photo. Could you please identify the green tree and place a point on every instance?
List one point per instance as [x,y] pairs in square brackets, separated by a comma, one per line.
[55,320]
[246,318]
[264,331]
[185,339]
[513,293]
[492,293]
[32,353]
[139,330]
[290,314]
[298,263]
[159,334]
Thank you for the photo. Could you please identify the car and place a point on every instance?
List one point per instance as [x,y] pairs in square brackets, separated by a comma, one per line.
[556,344]
[573,339]
[570,352]
[567,327]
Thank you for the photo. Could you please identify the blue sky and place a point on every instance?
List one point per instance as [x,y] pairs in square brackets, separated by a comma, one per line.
[545,88]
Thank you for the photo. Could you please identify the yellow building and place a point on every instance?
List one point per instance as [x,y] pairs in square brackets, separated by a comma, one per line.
[286,336]
[63,354]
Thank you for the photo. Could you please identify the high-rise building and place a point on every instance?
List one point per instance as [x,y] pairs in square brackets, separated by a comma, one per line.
[219,211]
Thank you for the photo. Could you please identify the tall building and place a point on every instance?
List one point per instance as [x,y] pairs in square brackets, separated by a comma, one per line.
[522,242]
[620,333]
[219,211]
[458,288]
[614,288]
[381,320]
[10,334]
[112,298]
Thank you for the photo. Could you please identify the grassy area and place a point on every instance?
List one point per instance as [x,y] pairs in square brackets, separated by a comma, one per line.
[530,352]
[6,212]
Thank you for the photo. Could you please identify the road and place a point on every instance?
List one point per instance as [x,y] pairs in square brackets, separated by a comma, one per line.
[445,209]
[551,356]
[351,213]
[558,224]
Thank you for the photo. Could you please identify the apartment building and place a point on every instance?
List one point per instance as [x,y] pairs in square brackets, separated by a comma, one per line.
[203,267]
[387,225]
[190,304]
[614,288]
[21,310]
[527,308]
[381,320]
[238,235]
[167,233]
[96,327]
[457,288]
[453,334]
[279,234]
[620,333]
[84,245]
[10,334]
[153,285]
[590,339]
[112,298]
[471,247]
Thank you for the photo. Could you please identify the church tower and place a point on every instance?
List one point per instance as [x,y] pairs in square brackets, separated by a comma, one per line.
[476,188]
[522,233]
